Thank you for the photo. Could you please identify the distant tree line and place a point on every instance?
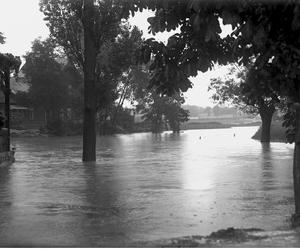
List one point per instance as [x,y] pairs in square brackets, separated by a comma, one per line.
[217,110]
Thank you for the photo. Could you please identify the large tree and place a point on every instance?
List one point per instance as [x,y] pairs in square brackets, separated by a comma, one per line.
[82,28]
[163,111]
[48,90]
[247,91]
[157,109]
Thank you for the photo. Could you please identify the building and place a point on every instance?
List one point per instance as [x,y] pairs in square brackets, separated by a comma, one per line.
[18,113]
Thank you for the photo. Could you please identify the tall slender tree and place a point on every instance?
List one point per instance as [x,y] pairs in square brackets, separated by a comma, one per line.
[82,27]
[89,67]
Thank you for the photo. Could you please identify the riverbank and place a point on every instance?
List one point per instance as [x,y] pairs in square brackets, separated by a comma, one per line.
[233,237]
[75,129]
[277,131]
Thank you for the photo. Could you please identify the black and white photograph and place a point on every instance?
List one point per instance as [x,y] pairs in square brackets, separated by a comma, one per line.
[150,123]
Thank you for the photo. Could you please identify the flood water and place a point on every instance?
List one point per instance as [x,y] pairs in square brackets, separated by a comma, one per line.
[143,187]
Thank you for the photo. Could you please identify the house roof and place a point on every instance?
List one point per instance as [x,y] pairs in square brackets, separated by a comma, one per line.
[19,84]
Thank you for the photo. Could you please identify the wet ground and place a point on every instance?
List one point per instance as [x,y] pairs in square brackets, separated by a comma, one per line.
[144,188]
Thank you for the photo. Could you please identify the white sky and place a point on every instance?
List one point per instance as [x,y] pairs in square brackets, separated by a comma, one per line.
[21,22]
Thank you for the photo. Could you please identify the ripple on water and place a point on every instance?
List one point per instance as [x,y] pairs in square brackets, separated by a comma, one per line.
[138,182]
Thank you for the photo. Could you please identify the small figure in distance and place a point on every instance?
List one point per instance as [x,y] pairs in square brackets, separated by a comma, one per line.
[233,134]
[199,137]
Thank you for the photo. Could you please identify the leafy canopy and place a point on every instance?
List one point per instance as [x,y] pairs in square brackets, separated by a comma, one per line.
[267,30]
[246,89]
[45,75]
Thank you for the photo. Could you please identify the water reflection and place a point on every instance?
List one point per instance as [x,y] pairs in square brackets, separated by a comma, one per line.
[143,187]
[266,162]
[103,215]
[5,196]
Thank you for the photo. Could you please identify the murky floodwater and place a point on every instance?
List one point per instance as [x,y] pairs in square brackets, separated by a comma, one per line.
[143,187]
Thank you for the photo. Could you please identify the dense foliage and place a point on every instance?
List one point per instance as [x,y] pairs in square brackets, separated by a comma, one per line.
[45,76]
[263,30]
[247,90]
[54,86]
[162,112]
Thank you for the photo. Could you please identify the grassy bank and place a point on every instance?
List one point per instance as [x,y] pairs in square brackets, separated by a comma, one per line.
[277,133]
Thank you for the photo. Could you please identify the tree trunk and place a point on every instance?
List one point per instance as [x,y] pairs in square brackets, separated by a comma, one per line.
[90,53]
[265,128]
[266,114]
[7,108]
[296,169]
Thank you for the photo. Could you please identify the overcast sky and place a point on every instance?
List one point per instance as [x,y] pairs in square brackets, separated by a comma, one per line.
[22,22]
